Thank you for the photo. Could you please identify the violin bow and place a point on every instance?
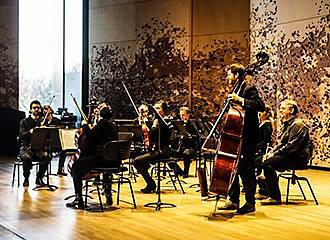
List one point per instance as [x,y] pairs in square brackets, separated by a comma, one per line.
[79,109]
[130,98]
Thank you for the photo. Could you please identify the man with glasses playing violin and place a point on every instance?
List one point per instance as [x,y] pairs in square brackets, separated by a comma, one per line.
[26,153]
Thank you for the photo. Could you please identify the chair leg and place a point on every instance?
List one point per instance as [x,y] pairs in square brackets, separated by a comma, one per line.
[301,190]
[14,170]
[287,192]
[99,195]
[118,190]
[132,193]
[171,177]
[86,193]
[310,188]
[180,184]
[18,175]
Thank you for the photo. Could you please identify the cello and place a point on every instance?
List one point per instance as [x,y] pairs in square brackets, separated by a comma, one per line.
[229,143]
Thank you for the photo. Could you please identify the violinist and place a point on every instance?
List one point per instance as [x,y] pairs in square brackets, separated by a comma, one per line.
[143,119]
[160,140]
[189,143]
[27,126]
[249,99]
[50,120]
[293,151]
[104,131]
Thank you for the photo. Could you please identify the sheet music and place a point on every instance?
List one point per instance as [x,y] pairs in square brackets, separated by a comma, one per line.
[67,138]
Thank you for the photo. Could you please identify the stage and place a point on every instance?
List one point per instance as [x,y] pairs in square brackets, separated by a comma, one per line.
[29,214]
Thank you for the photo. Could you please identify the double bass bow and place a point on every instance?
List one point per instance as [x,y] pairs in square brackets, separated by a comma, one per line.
[229,143]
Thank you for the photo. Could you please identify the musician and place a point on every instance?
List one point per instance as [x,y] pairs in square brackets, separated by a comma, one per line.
[160,140]
[264,141]
[293,151]
[54,121]
[189,143]
[249,99]
[104,131]
[27,126]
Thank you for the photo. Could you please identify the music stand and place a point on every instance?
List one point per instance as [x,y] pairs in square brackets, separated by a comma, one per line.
[46,139]
[159,204]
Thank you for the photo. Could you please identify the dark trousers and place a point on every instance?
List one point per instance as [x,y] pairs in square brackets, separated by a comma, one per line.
[81,167]
[188,155]
[142,164]
[246,170]
[279,163]
[61,161]
[28,155]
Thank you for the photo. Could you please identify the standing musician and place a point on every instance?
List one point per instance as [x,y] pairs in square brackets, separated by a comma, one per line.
[50,120]
[189,144]
[104,131]
[293,151]
[249,99]
[26,153]
[160,140]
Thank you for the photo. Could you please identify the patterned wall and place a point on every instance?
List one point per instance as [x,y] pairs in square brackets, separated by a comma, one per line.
[8,55]
[299,68]
[156,64]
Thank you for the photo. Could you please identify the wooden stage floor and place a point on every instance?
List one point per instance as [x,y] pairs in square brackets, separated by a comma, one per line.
[29,214]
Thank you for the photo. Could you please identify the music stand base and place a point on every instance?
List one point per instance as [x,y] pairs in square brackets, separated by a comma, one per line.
[158,205]
[47,187]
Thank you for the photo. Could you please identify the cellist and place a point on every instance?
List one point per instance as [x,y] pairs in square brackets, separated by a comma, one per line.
[249,99]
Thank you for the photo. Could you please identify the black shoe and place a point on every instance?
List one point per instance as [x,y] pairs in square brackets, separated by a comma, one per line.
[109,200]
[247,208]
[185,176]
[149,188]
[40,183]
[77,203]
[61,173]
[26,182]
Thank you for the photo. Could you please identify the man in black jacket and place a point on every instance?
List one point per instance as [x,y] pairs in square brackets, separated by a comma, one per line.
[104,131]
[293,151]
[249,99]
[160,135]
[189,143]
[27,154]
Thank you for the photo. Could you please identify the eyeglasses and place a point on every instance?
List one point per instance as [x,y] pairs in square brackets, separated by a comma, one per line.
[36,107]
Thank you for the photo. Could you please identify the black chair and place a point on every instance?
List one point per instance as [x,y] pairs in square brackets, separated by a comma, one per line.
[293,179]
[17,164]
[114,151]
[129,137]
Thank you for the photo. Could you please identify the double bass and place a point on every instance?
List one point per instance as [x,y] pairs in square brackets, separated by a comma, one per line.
[229,143]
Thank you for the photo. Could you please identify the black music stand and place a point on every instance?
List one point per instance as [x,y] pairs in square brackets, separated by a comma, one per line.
[159,204]
[46,139]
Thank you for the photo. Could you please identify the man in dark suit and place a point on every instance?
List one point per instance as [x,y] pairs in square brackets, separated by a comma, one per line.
[28,154]
[249,99]
[293,151]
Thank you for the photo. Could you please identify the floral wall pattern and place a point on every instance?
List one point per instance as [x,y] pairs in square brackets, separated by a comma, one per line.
[299,68]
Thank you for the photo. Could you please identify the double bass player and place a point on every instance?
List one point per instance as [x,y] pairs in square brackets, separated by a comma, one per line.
[250,101]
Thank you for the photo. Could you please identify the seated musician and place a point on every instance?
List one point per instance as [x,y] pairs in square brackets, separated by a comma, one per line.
[26,153]
[104,131]
[264,141]
[293,151]
[54,121]
[161,148]
[249,99]
[189,143]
